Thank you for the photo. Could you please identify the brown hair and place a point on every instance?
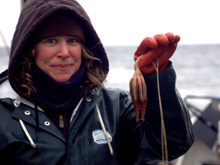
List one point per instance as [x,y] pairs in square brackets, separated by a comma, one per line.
[24,79]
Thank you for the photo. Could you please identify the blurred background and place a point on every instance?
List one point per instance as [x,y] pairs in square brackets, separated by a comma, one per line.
[123,24]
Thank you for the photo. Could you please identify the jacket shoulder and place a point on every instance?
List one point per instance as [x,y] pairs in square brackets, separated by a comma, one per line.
[6,90]
[114,92]
[117,97]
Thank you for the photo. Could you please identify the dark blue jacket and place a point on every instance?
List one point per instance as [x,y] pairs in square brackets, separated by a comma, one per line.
[132,142]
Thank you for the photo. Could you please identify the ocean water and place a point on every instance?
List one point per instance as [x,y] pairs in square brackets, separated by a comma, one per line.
[197,68]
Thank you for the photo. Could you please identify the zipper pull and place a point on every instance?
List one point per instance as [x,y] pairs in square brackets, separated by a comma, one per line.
[61,122]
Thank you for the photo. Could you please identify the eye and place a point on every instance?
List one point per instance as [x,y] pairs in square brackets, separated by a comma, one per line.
[73,40]
[51,41]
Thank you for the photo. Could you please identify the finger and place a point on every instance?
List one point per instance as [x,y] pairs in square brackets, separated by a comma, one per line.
[165,56]
[163,66]
[162,62]
[147,44]
[148,58]
[177,38]
[170,37]
[161,39]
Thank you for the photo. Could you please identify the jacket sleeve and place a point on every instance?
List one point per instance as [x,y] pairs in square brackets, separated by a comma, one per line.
[144,138]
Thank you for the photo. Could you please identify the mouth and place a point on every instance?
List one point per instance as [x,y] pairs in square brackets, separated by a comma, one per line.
[62,66]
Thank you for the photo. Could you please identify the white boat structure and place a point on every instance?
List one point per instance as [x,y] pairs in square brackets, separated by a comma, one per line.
[205,116]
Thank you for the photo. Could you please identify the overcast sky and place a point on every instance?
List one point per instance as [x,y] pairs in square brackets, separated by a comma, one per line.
[127,22]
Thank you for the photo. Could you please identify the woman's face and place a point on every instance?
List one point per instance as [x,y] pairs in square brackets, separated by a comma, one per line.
[59,57]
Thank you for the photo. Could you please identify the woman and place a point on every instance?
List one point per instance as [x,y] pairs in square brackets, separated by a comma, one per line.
[54,108]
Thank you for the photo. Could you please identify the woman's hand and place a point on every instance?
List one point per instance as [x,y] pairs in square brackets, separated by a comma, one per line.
[160,46]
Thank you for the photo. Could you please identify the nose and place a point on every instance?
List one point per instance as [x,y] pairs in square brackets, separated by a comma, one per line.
[64,50]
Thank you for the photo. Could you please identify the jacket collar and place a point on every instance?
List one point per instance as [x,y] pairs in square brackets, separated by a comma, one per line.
[7,92]
[27,114]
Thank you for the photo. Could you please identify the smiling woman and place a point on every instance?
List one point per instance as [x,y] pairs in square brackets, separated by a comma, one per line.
[55,109]
[59,57]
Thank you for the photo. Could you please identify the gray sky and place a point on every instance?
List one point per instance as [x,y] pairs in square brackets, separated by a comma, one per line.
[128,22]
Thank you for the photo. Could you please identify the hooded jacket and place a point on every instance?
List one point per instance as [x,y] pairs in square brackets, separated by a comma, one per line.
[132,142]
[34,14]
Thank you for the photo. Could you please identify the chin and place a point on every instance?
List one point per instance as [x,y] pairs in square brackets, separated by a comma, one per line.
[62,79]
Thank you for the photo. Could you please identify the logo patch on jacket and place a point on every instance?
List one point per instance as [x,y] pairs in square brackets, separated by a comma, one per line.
[99,137]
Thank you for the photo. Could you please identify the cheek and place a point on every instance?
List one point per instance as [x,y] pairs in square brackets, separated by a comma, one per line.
[42,55]
[77,55]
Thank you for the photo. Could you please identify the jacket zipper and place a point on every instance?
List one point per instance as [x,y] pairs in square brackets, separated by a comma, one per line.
[61,122]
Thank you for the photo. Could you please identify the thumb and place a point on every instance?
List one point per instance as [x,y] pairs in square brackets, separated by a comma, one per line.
[145,63]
